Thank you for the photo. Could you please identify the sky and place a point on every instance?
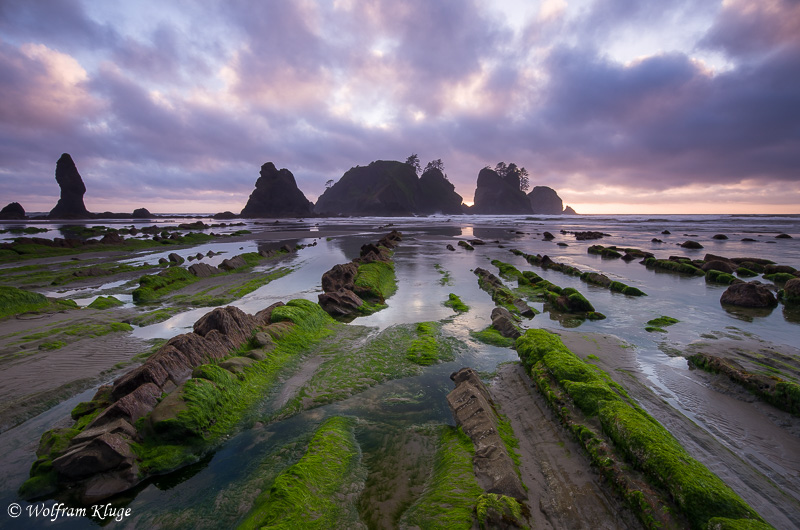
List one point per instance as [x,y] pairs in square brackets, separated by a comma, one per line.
[622,106]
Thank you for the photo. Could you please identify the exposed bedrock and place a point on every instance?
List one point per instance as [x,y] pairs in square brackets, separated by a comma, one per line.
[276,195]
[100,461]
[475,413]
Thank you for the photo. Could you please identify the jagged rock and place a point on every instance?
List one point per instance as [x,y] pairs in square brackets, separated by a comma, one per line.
[130,407]
[466,245]
[118,426]
[450,247]
[341,302]
[276,195]
[107,451]
[231,321]
[749,294]
[142,213]
[105,485]
[547,236]
[339,277]
[545,200]
[174,362]
[12,211]
[437,194]
[499,195]
[264,317]
[504,322]
[474,412]
[203,270]
[70,205]
[383,188]
[147,373]
[568,210]
[772,269]
[175,259]
[233,263]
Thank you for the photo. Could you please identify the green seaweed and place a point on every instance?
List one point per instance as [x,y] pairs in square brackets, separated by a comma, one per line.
[154,286]
[674,266]
[779,277]
[426,350]
[499,507]
[493,337]
[105,302]
[374,283]
[715,276]
[455,303]
[15,301]
[452,492]
[305,494]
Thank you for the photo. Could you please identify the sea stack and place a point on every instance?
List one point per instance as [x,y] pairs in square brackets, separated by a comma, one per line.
[545,200]
[276,195]
[437,194]
[70,205]
[12,211]
[497,194]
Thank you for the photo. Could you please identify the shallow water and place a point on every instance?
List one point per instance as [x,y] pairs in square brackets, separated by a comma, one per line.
[188,497]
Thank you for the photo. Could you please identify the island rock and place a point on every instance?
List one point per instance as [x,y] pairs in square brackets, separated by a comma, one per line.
[13,211]
[276,195]
[499,195]
[545,200]
[437,194]
[385,188]
[70,205]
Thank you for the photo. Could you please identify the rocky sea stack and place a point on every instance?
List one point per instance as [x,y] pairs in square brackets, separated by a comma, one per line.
[276,195]
[438,195]
[385,187]
[498,194]
[70,205]
[545,200]
[12,212]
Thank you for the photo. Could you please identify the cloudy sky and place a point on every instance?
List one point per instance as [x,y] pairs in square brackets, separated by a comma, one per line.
[629,106]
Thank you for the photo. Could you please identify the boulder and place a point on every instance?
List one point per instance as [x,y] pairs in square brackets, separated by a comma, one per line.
[547,236]
[231,321]
[450,247]
[264,317]
[499,195]
[545,200]
[749,294]
[70,205]
[276,195]
[791,291]
[719,236]
[236,365]
[339,277]
[236,262]
[203,270]
[437,194]
[718,265]
[107,451]
[341,302]
[783,236]
[12,211]
[772,269]
[691,245]
[504,322]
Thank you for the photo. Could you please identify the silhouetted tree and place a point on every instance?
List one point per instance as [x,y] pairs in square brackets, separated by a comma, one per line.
[435,164]
[413,161]
[329,184]
[501,168]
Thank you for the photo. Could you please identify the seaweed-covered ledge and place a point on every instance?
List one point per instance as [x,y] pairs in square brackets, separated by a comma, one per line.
[178,405]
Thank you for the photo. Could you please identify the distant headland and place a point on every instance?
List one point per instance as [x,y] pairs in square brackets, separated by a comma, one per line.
[382,188]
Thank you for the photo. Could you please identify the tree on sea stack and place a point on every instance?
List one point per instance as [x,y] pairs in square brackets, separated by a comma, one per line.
[413,161]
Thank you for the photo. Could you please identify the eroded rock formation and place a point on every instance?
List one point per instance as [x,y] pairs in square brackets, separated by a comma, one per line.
[385,187]
[12,211]
[70,205]
[475,413]
[276,195]
[437,194]
[499,195]
[545,200]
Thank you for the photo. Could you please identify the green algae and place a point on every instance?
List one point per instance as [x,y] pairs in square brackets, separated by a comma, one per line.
[105,302]
[426,350]
[674,266]
[15,301]
[374,283]
[306,495]
[212,403]
[715,276]
[744,272]
[779,277]
[154,286]
[658,324]
[455,303]
[697,494]
[491,506]
[156,316]
[445,279]
[452,492]
[493,337]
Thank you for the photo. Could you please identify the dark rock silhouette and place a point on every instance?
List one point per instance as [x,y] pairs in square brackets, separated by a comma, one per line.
[70,205]
[12,211]
[545,200]
[437,194]
[385,187]
[142,213]
[276,195]
[499,195]
[569,211]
